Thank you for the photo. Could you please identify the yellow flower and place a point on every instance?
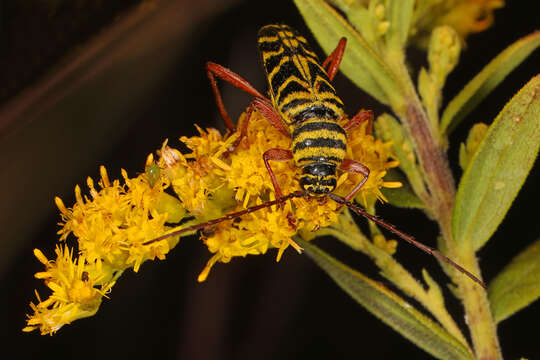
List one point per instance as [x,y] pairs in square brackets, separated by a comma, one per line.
[253,234]
[217,184]
[113,223]
[122,224]
[377,156]
[110,227]
[77,286]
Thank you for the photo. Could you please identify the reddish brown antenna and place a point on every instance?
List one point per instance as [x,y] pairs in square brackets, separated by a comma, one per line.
[405,237]
[230,216]
[340,200]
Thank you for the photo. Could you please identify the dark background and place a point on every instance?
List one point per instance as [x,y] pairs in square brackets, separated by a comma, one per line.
[249,308]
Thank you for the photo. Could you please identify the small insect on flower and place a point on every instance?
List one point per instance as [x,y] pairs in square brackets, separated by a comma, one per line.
[302,105]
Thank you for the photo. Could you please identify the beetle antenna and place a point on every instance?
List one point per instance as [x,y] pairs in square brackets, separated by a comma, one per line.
[340,200]
[408,238]
[230,216]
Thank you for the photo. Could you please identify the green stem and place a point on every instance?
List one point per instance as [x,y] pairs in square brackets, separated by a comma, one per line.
[441,187]
[477,310]
[431,157]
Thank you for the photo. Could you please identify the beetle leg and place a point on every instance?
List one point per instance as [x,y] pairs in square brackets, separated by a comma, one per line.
[360,117]
[355,167]
[265,107]
[331,64]
[278,155]
[215,70]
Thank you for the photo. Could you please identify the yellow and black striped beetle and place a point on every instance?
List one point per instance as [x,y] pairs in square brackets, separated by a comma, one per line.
[304,106]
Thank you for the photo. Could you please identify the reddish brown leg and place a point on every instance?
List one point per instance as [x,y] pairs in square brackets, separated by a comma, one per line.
[355,167]
[243,129]
[243,132]
[360,117]
[331,64]
[278,155]
[214,70]
[267,110]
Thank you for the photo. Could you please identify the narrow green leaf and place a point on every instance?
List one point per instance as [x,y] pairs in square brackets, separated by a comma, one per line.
[361,63]
[365,22]
[345,5]
[360,17]
[517,285]
[400,16]
[390,308]
[487,80]
[498,168]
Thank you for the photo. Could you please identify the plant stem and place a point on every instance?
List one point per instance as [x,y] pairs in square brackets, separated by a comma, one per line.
[441,187]
[477,310]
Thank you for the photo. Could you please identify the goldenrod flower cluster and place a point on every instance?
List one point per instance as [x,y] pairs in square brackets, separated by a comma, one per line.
[114,223]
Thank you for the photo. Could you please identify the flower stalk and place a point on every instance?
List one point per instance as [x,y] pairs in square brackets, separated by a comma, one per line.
[440,184]
[477,310]
[440,204]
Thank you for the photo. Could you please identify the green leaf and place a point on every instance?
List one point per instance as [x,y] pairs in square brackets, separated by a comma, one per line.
[498,168]
[400,16]
[403,196]
[390,308]
[517,285]
[360,17]
[487,80]
[360,63]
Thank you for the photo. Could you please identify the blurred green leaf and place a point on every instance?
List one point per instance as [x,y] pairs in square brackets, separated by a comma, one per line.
[517,285]
[360,17]
[400,16]
[346,5]
[487,80]
[390,308]
[361,63]
[498,168]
